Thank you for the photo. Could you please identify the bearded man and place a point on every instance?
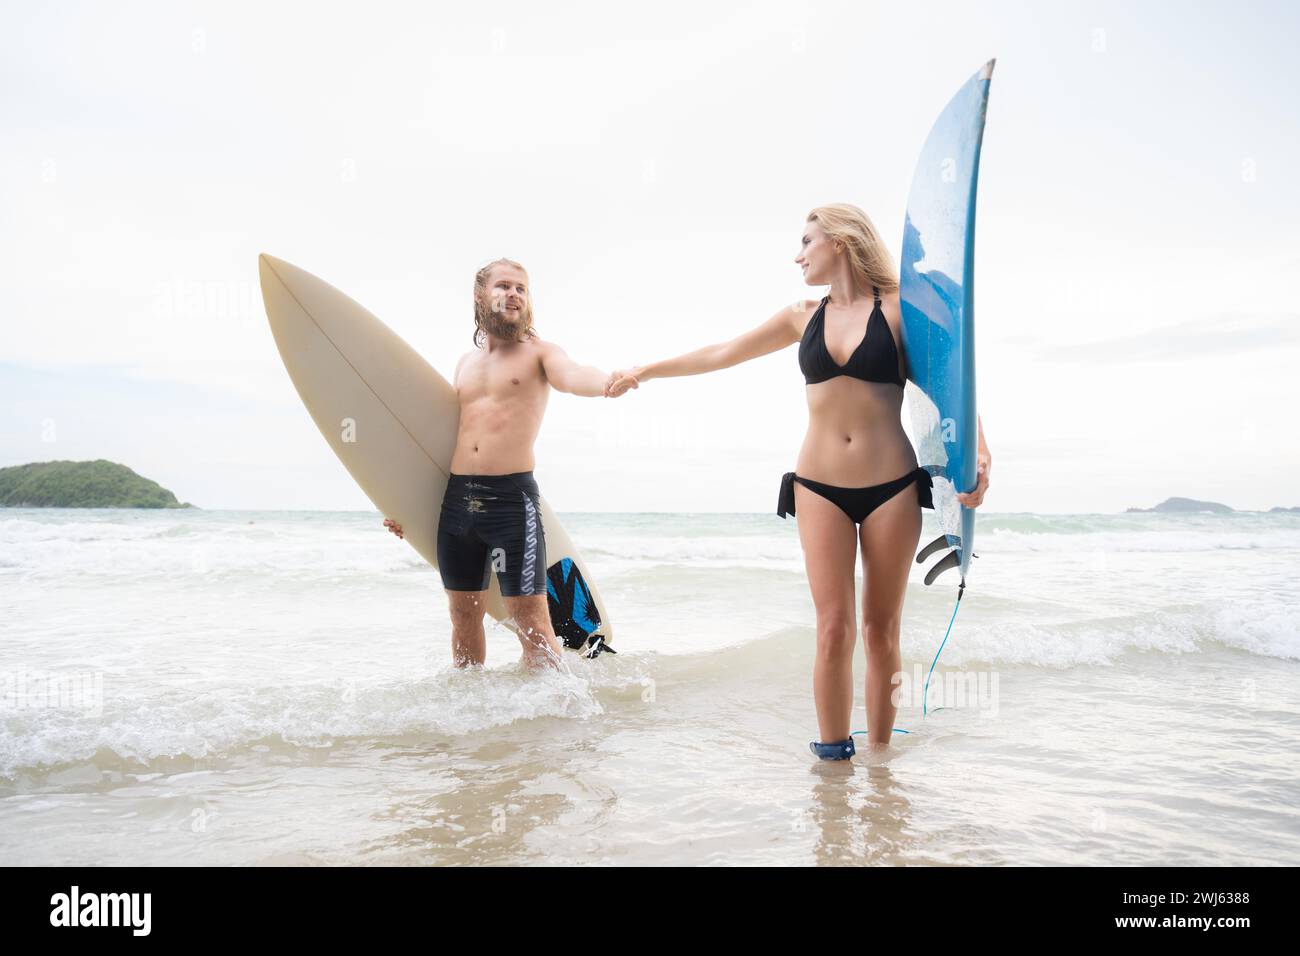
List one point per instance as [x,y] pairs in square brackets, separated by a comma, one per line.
[491,513]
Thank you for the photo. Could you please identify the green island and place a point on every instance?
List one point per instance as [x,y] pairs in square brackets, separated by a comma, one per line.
[1186,505]
[81,484]
[1191,506]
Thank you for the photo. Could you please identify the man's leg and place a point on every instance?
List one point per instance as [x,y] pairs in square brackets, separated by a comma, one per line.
[533,621]
[463,564]
[468,642]
[517,541]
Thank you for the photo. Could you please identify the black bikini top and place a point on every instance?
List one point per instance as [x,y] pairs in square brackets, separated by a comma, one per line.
[874,360]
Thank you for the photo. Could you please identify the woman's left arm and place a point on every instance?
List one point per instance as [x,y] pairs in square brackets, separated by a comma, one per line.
[984,462]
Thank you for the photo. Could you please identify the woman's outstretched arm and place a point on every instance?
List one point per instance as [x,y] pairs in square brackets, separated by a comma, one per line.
[782,329]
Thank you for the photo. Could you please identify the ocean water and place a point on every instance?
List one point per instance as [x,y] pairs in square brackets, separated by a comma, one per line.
[242,688]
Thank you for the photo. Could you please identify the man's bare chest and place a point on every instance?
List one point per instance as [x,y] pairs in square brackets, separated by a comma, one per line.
[484,376]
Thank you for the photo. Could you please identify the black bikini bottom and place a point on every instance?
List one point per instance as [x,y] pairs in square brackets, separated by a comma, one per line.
[857,503]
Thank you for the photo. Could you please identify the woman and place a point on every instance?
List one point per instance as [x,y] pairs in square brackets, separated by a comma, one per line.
[851,487]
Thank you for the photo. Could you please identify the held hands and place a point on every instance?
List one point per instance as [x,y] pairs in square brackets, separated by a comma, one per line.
[394,527]
[620,381]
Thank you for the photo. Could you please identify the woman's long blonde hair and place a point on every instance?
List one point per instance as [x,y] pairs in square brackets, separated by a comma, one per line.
[483,308]
[869,258]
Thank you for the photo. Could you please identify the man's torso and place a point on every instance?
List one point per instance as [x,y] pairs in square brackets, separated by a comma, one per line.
[502,391]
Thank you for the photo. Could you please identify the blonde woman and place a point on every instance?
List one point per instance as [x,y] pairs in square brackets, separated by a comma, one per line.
[852,488]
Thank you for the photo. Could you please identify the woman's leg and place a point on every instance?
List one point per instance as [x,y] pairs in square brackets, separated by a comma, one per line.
[830,547]
[889,538]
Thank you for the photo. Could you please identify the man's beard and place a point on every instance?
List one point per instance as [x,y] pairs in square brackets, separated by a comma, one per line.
[503,326]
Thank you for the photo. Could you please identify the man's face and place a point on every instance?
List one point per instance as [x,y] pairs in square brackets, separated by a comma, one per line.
[507,295]
[508,291]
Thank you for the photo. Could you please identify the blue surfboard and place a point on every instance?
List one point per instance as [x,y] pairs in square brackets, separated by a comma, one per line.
[937,296]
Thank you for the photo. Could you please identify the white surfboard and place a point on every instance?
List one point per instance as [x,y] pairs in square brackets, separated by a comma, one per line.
[392,420]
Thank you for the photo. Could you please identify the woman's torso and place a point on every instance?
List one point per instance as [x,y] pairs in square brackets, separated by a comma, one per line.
[855,430]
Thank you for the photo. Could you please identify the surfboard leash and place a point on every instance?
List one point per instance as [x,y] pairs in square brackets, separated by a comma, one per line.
[925,694]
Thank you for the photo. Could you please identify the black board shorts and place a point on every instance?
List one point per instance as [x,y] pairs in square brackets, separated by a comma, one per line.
[492,523]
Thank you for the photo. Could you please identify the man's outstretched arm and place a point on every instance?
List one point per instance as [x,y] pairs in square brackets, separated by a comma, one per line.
[566,375]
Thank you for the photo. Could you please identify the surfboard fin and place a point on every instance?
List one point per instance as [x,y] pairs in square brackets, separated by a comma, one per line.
[596,646]
[951,560]
[934,547]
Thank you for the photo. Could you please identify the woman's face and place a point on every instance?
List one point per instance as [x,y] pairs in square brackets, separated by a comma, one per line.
[817,255]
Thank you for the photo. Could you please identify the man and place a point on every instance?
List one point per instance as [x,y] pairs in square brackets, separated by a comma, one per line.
[491,512]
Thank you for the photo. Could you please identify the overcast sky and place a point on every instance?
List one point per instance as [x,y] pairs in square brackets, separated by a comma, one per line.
[651,165]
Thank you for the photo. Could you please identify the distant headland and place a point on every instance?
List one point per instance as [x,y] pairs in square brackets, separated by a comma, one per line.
[1186,505]
[81,484]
